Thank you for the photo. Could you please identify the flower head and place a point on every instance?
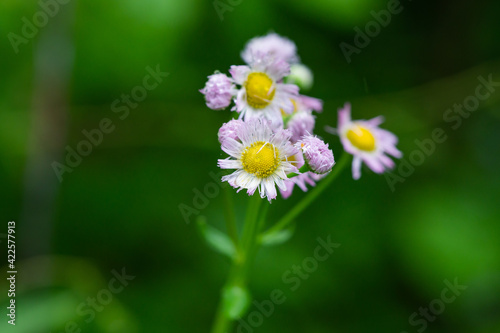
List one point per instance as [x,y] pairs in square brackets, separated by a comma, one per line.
[219,91]
[366,142]
[261,158]
[272,44]
[262,95]
[230,130]
[317,155]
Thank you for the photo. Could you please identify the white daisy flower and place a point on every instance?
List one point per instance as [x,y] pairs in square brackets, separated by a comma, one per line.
[260,157]
[262,95]
[366,141]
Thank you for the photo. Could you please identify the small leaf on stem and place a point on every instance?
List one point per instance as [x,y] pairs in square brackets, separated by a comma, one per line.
[278,237]
[217,240]
[236,301]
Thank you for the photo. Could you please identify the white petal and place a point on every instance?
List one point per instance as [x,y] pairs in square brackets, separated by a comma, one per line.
[243,179]
[230,164]
[240,102]
[232,147]
[344,116]
[280,183]
[231,178]
[374,164]
[270,188]
[239,73]
[356,167]
[253,185]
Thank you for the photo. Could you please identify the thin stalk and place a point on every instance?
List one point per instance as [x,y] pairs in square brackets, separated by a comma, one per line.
[230,216]
[310,197]
[241,263]
[263,216]
[221,323]
[253,246]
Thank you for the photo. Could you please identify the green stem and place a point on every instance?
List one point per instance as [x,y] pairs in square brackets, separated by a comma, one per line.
[248,244]
[263,216]
[230,216]
[254,245]
[310,197]
[221,324]
[249,239]
[303,169]
[241,263]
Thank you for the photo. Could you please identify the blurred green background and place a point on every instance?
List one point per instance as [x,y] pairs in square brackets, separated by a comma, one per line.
[119,208]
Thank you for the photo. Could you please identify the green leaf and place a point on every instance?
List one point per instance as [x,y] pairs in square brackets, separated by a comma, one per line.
[278,237]
[236,301]
[217,240]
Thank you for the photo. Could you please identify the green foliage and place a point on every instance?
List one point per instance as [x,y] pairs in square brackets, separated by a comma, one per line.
[217,240]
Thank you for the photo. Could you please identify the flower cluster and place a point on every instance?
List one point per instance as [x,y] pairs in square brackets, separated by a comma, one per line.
[271,143]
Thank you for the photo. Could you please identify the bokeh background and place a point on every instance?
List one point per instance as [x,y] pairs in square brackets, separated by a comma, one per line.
[119,207]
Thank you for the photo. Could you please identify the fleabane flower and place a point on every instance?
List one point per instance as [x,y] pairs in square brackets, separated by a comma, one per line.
[317,156]
[366,142]
[262,95]
[261,158]
[219,91]
[300,180]
[273,44]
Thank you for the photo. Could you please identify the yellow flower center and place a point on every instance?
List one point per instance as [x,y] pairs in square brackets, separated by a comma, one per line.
[260,159]
[361,138]
[260,90]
